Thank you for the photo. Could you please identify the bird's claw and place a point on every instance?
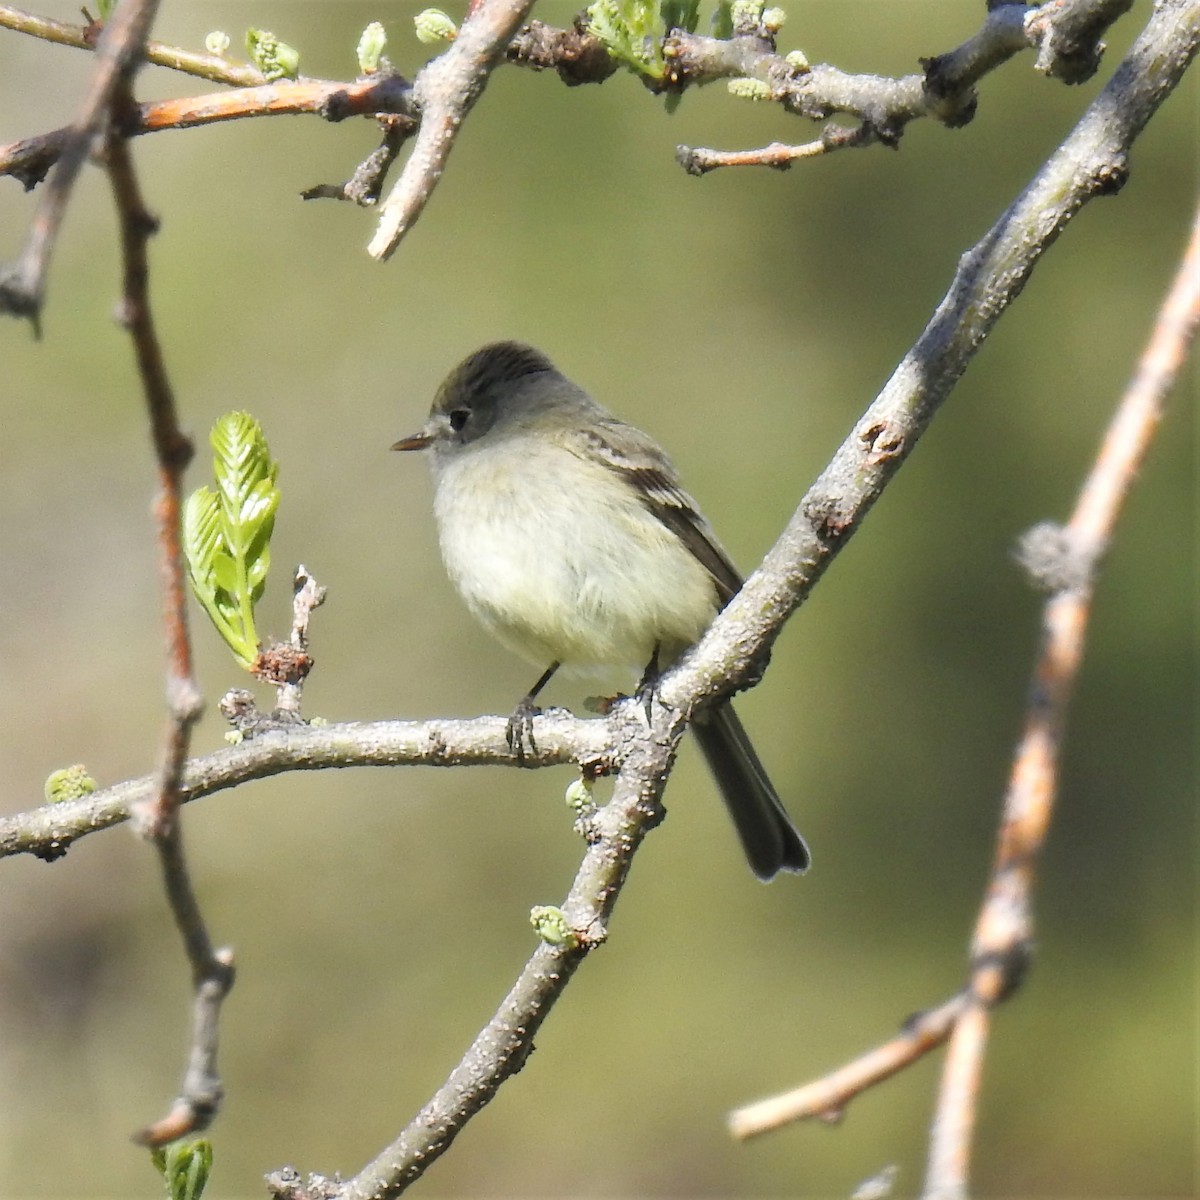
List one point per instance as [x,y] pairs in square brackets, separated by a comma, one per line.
[519,731]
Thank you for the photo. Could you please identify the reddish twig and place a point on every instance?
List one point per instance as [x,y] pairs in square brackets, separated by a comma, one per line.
[1065,560]
[157,817]
[174,451]
[778,155]
[30,158]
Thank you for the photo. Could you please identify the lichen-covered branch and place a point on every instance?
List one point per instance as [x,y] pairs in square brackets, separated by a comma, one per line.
[49,830]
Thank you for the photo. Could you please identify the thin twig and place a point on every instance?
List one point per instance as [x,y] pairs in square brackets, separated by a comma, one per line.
[778,155]
[445,91]
[30,158]
[23,285]
[882,106]
[365,186]
[157,817]
[174,451]
[828,1096]
[307,594]
[84,37]
[1068,559]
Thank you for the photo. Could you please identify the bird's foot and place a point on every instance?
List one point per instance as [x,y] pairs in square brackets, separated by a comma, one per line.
[646,685]
[518,733]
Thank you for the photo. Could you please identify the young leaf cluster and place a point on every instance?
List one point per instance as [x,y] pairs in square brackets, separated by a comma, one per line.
[227,531]
[632,30]
[275,59]
[185,1168]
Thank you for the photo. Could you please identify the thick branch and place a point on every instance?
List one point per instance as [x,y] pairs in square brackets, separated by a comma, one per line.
[445,91]
[1093,161]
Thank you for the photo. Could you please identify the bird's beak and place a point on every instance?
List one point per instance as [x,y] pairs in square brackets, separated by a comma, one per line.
[415,441]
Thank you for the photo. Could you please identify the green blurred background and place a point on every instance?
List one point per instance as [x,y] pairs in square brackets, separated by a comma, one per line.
[745,319]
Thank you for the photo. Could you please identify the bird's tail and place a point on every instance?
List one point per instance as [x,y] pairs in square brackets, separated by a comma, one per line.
[771,842]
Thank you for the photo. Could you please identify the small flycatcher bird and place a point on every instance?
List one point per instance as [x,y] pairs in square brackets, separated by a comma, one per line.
[568,535]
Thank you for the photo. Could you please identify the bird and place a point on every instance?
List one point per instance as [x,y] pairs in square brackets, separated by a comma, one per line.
[569,536]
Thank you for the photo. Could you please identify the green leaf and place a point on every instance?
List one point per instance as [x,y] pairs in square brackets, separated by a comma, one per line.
[227,531]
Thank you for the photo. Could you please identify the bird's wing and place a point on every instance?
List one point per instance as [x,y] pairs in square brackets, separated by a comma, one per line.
[634,455]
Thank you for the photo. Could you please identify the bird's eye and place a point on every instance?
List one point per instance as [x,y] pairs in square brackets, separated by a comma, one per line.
[458,418]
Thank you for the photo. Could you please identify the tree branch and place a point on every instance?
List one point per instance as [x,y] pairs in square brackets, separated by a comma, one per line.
[22,285]
[157,816]
[85,37]
[31,158]
[445,90]
[1093,161]
[1066,561]
[49,830]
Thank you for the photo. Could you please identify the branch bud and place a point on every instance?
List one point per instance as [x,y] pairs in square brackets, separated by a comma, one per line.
[371,47]
[69,783]
[550,924]
[746,88]
[433,26]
